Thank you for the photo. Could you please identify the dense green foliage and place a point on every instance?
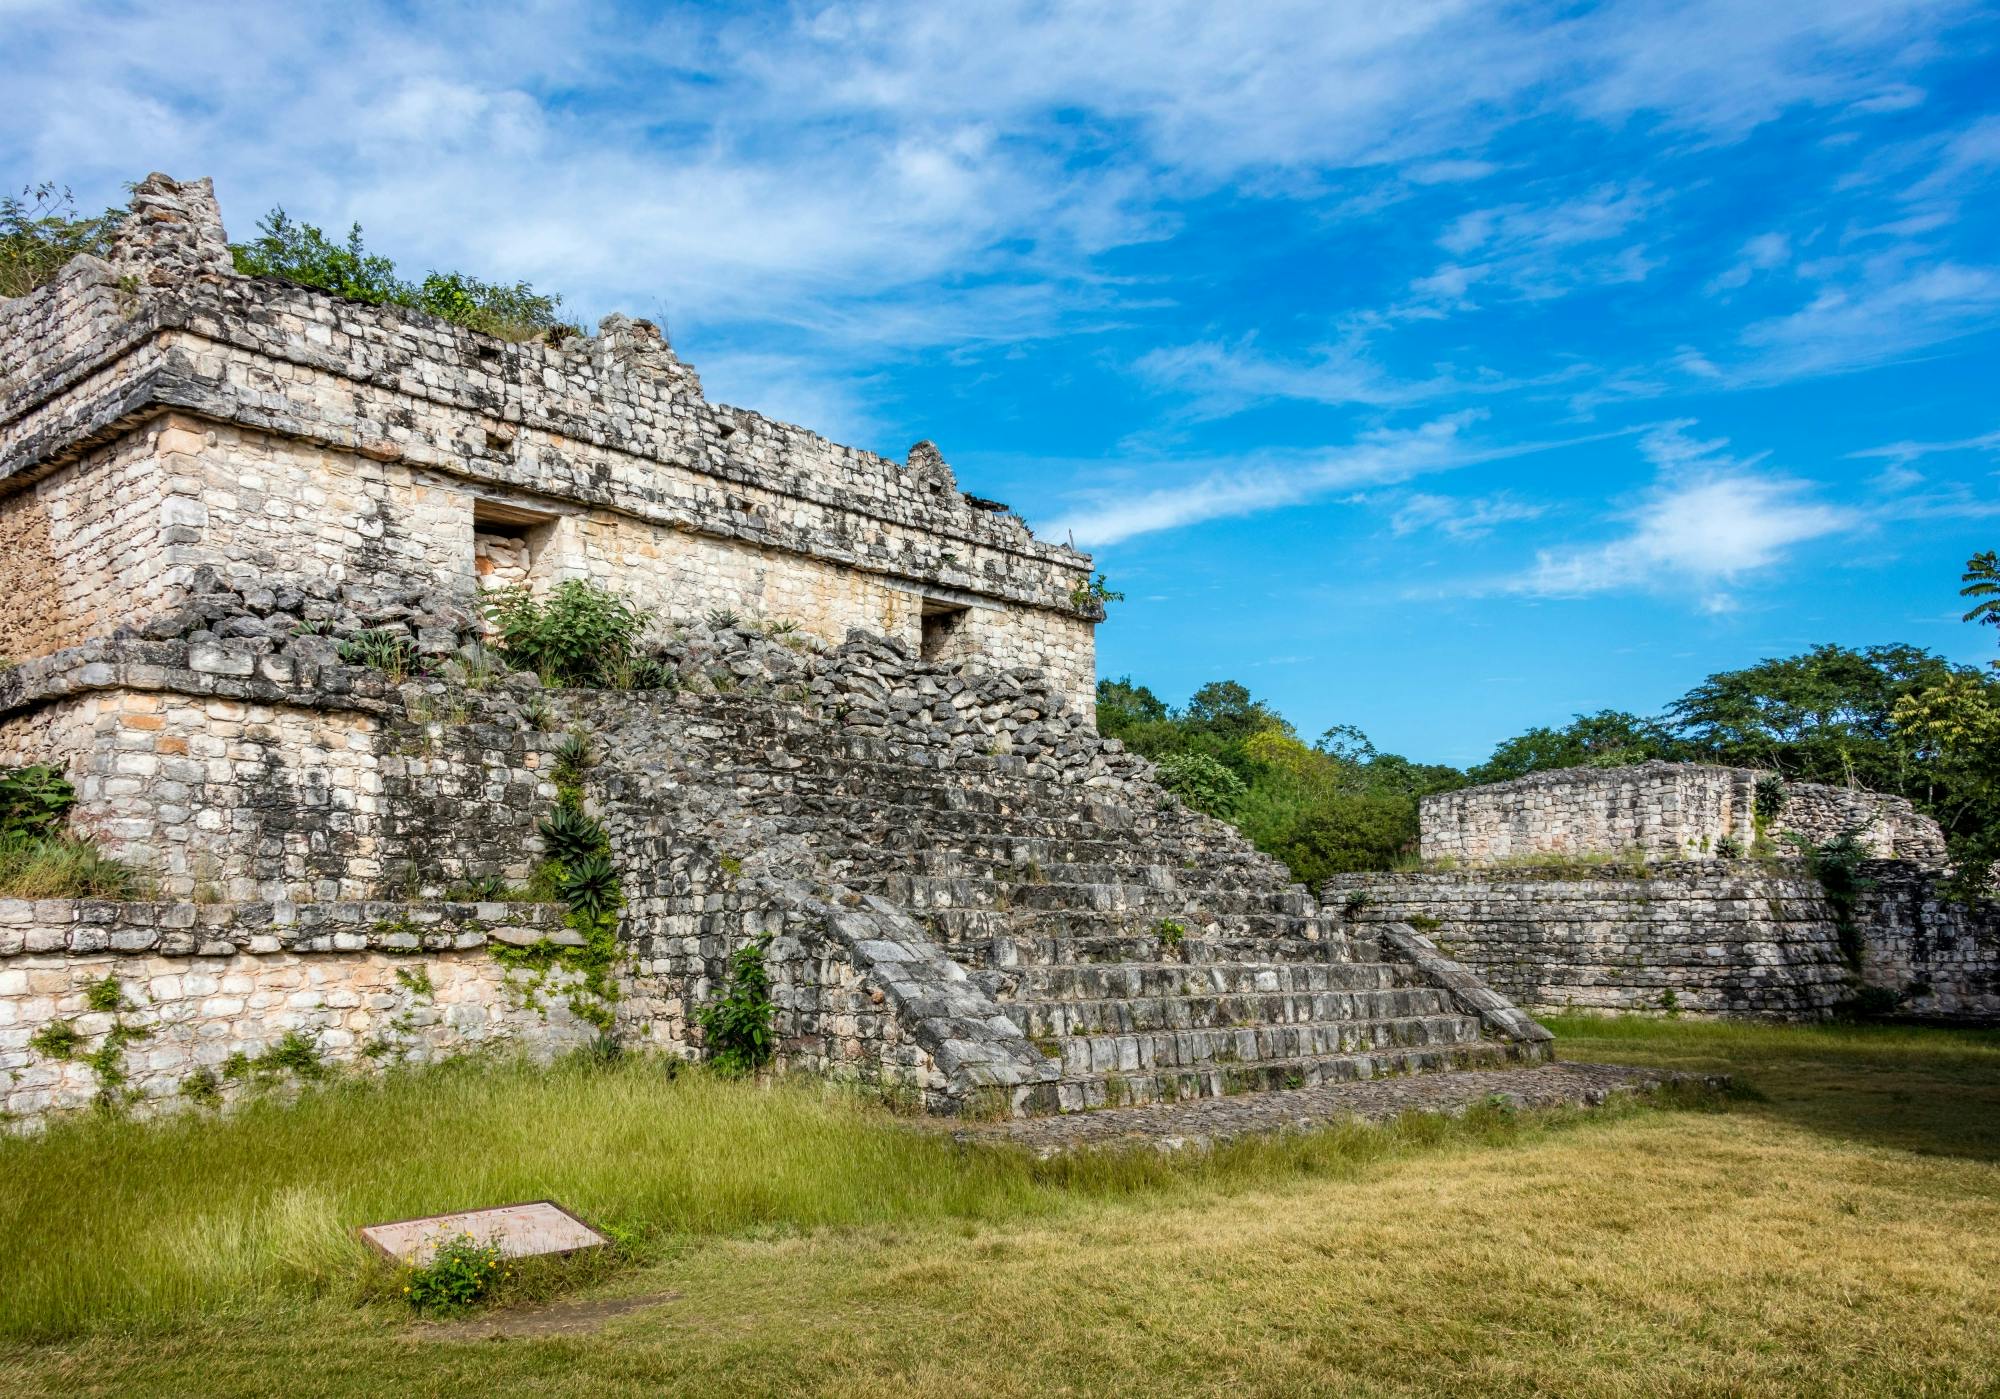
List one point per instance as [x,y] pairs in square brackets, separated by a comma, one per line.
[1323,809]
[299,252]
[41,230]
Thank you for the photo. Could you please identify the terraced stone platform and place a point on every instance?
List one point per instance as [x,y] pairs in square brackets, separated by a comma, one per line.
[1128,949]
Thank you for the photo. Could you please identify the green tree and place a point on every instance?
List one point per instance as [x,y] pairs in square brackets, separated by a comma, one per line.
[41,230]
[1982,581]
[1825,716]
[1608,738]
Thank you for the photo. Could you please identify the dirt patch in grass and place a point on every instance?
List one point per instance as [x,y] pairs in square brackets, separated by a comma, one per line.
[566,1318]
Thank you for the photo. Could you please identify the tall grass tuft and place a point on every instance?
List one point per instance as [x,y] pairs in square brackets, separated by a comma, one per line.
[61,867]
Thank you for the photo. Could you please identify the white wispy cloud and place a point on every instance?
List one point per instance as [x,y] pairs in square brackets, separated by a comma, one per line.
[1903,453]
[1710,520]
[1461,517]
[1273,480]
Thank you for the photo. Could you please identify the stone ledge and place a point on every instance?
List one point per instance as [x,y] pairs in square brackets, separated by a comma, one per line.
[97,927]
[1212,1121]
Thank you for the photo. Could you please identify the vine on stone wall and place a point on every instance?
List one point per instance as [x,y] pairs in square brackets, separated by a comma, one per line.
[576,871]
[1837,867]
[61,1040]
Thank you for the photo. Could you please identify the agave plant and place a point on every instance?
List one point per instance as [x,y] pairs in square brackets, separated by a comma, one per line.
[571,838]
[590,888]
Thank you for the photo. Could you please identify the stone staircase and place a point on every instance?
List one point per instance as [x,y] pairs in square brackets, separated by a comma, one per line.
[1147,952]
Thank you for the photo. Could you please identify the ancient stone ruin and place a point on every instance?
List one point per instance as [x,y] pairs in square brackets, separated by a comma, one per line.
[1687,887]
[246,532]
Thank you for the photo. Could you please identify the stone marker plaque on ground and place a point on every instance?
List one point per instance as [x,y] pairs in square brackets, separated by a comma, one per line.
[520,1231]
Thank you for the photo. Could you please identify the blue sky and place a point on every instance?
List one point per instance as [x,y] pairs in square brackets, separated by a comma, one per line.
[1437,368]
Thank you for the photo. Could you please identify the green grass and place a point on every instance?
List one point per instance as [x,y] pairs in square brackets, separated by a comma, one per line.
[59,867]
[1832,1232]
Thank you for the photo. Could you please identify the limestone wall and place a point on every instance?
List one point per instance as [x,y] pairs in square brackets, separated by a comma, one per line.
[224,784]
[1705,937]
[1664,811]
[207,987]
[330,439]
[1701,937]
[87,548]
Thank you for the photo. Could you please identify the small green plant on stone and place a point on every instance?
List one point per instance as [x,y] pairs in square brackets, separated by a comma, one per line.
[203,1088]
[417,981]
[56,1040]
[1728,848]
[33,802]
[1423,922]
[723,618]
[461,1274]
[389,652]
[1170,932]
[573,758]
[294,1055]
[737,1027]
[1091,598]
[538,714]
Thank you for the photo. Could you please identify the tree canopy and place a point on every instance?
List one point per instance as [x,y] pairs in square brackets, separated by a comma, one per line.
[299,252]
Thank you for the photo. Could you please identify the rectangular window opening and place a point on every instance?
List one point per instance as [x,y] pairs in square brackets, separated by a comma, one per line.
[506,542]
[944,626]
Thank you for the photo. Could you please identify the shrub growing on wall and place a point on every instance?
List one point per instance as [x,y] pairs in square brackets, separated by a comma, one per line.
[299,252]
[580,634]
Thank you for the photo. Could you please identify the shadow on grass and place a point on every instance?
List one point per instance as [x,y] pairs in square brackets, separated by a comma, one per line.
[1923,1089]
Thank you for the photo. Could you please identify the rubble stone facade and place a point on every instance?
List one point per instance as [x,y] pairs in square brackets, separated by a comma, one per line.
[1663,811]
[869,748]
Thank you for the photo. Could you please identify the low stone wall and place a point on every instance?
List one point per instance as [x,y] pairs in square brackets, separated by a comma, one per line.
[149,1002]
[1706,937]
[1943,955]
[1662,811]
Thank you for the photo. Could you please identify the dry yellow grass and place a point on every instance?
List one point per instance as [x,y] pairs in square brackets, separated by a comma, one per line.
[1841,1236]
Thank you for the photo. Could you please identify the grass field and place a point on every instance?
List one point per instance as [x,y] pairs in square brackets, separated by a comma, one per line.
[1837,1230]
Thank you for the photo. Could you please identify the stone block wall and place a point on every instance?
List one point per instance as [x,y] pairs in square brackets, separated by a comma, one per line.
[293,433]
[225,775]
[207,987]
[1944,955]
[1661,811]
[1703,937]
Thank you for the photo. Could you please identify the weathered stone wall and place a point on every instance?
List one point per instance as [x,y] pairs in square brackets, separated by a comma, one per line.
[290,400]
[233,776]
[1659,810]
[1703,937]
[1706,937]
[1942,955]
[87,548]
[208,984]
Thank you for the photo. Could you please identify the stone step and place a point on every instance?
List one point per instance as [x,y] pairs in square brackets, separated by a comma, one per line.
[1088,935]
[1117,1088]
[1148,1050]
[1136,1014]
[920,892]
[1090,981]
[1144,865]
